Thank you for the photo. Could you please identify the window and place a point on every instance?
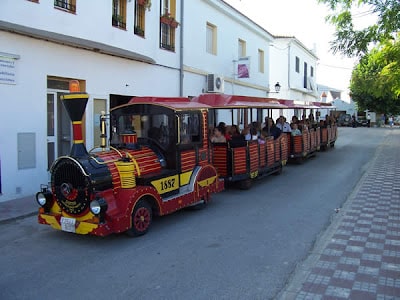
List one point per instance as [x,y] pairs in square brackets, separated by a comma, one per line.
[305,75]
[139,18]
[119,14]
[241,48]
[165,7]
[297,64]
[68,5]
[167,37]
[312,71]
[168,25]
[153,126]
[260,61]
[211,39]
[189,128]
[36,1]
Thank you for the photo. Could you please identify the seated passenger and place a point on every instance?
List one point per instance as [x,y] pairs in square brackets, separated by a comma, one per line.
[253,133]
[283,125]
[295,130]
[246,133]
[226,133]
[271,129]
[235,133]
[219,135]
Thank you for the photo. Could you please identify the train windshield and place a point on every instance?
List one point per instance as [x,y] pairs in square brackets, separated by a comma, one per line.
[152,126]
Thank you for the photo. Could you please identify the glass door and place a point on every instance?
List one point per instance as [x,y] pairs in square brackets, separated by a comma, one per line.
[59,133]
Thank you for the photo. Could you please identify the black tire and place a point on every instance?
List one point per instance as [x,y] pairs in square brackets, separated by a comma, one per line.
[142,217]
[198,206]
[279,171]
[245,184]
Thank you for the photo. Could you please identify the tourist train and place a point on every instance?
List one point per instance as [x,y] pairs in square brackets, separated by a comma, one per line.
[160,156]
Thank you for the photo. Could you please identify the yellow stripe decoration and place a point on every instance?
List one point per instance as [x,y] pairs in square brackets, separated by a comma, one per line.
[208,181]
[51,220]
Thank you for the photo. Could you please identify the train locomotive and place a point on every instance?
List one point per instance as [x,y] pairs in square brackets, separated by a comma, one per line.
[158,162]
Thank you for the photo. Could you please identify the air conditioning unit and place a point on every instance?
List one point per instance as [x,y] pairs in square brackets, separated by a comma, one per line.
[215,83]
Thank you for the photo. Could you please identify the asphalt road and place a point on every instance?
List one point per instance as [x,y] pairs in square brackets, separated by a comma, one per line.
[244,245]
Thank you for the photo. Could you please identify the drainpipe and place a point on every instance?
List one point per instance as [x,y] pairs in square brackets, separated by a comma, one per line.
[289,58]
[181,51]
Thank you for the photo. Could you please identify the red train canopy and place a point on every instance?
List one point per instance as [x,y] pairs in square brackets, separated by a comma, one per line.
[235,101]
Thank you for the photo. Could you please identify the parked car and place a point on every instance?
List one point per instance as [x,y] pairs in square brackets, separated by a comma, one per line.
[362,121]
[344,120]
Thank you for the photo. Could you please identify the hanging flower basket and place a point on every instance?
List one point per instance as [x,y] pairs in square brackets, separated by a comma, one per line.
[174,23]
[169,20]
[145,3]
[165,20]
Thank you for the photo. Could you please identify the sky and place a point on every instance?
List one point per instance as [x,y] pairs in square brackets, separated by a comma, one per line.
[304,19]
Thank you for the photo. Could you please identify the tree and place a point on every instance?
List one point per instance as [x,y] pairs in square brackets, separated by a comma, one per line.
[352,42]
[375,81]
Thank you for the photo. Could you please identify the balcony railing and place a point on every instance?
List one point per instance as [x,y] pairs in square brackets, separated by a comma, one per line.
[118,21]
[65,4]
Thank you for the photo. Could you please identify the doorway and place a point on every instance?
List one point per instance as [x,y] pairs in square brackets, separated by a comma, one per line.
[59,127]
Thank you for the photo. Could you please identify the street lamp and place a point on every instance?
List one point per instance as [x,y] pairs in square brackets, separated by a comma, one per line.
[277,89]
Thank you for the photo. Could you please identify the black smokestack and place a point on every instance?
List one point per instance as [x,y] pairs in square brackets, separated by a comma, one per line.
[75,104]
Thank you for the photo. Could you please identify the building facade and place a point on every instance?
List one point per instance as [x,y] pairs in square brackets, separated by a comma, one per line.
[116,49]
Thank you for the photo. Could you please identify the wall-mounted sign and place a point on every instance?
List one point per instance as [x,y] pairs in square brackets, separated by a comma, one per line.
[8,68]
[244,67]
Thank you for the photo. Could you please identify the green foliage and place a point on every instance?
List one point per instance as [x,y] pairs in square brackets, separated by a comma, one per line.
[352,42]
[375,81]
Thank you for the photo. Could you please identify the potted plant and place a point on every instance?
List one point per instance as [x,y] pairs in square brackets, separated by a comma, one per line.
[145,3]
[169,20]
[174,23]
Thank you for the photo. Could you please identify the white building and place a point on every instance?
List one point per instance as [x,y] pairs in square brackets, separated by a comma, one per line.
[294,67]
[118,49]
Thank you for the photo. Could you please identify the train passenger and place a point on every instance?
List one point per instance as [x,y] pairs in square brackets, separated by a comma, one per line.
[283,125]
[295,120]
[328,120]
[295,130]
[271,129]
[246,133]
[219,135]
[226,133]
[257,127]
[253,133]
[234,131]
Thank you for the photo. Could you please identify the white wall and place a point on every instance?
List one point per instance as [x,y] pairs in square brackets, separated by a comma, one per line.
[231,26]
[92,21]
[25,102]
[283,63]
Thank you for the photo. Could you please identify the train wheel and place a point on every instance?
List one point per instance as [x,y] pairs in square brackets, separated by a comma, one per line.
[279,171]
[245,184]
[198,206]
[142,217]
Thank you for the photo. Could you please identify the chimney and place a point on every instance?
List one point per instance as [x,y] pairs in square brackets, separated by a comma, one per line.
[75,104]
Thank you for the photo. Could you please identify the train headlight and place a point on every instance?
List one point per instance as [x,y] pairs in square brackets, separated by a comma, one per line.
[95,207]
[41,199]
[44,198]
[99,207]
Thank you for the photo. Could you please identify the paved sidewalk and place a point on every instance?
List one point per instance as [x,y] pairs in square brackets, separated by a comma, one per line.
[358,257]
[18,208]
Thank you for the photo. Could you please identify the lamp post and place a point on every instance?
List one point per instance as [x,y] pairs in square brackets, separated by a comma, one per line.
[277,89]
